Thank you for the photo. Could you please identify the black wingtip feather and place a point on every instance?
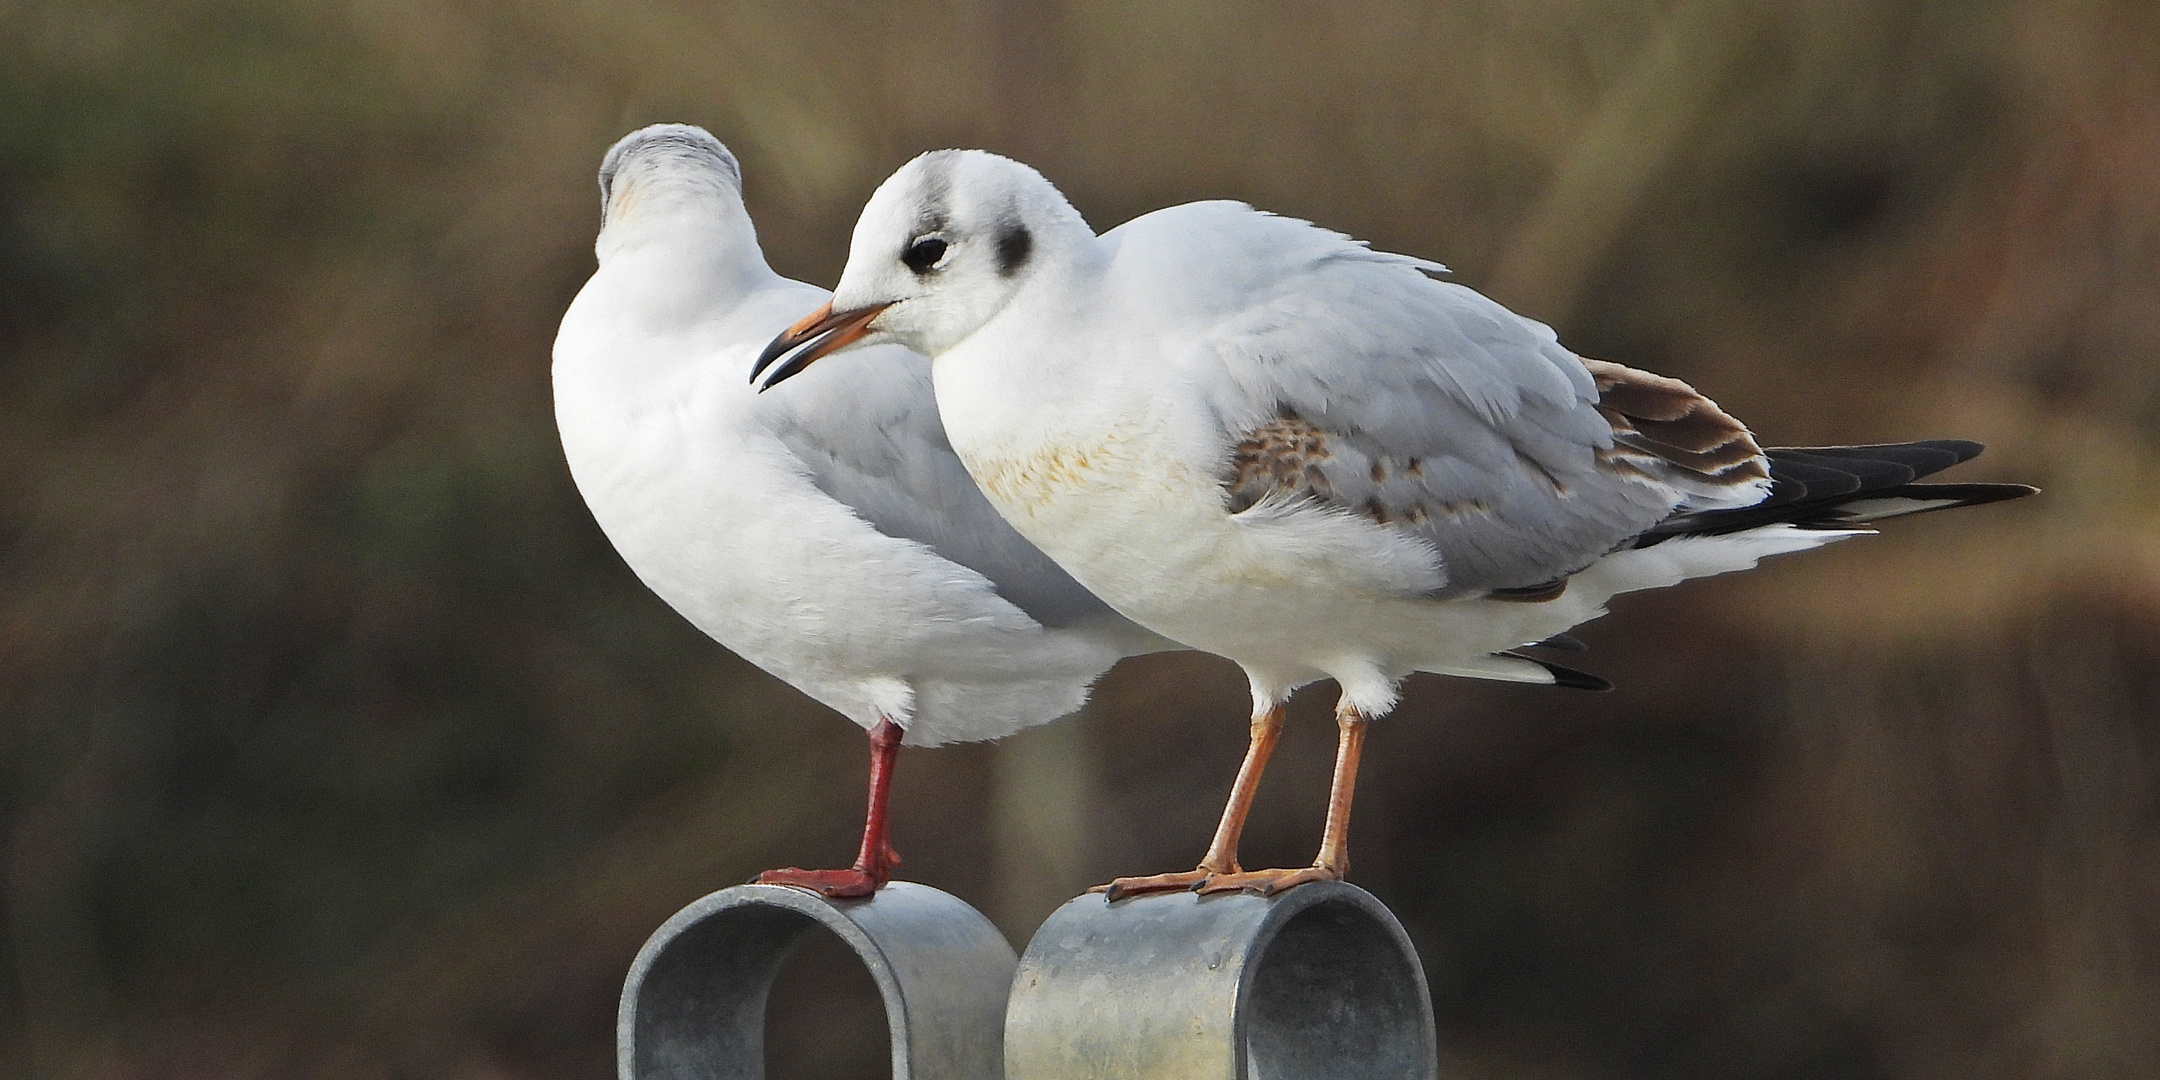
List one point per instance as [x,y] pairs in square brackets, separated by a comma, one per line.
[1925,456]
[1562,642]
[1951,496]
[1566,676]
[1811,486]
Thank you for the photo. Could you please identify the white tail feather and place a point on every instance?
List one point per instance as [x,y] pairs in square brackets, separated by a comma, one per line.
[1687,557]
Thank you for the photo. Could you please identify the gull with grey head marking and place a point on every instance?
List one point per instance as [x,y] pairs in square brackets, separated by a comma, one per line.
[1268,441]
[826,534]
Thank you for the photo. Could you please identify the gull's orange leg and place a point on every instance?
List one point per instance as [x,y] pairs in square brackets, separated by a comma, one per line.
[874,863]
[1221,857]
[1334,859]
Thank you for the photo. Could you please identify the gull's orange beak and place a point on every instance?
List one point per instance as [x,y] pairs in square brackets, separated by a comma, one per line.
[824,330]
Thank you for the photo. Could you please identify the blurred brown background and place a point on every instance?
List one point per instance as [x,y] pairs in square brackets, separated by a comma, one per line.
[338,744]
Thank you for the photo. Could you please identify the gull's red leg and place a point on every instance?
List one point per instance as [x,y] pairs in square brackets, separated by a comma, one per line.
[874,863]
[1221,857]
[1334,859]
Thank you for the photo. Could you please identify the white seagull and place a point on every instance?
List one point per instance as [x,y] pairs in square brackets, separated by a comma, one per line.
[1268,441]
[827,534]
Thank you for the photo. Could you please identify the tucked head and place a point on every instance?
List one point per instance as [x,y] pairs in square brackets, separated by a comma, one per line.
[942,245]
[664,165]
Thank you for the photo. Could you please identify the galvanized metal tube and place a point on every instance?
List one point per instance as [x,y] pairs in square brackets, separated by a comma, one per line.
[1318,982]
[693,1006]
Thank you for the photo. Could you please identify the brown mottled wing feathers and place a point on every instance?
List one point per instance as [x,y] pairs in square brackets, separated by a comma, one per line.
[1661,425]
[1283,455]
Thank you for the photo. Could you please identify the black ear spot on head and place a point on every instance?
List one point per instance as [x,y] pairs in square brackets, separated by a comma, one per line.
[1013,246]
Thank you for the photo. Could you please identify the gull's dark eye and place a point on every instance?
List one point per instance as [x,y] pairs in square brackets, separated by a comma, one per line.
[923,255]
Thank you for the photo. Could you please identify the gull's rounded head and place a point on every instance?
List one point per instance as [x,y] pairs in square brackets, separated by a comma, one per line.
[680,157]
[947,240]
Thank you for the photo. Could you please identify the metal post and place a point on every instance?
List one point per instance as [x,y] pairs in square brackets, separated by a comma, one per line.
[1320,981]
[693,1007]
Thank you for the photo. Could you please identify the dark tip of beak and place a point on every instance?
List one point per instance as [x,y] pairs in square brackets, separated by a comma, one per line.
[806,329]
[777,348]
[820,333]
[795,365]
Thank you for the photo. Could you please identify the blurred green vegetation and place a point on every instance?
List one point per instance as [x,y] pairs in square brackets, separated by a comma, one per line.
[337,743]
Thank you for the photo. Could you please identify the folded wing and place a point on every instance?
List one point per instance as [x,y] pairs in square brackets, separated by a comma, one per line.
[1354,381]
